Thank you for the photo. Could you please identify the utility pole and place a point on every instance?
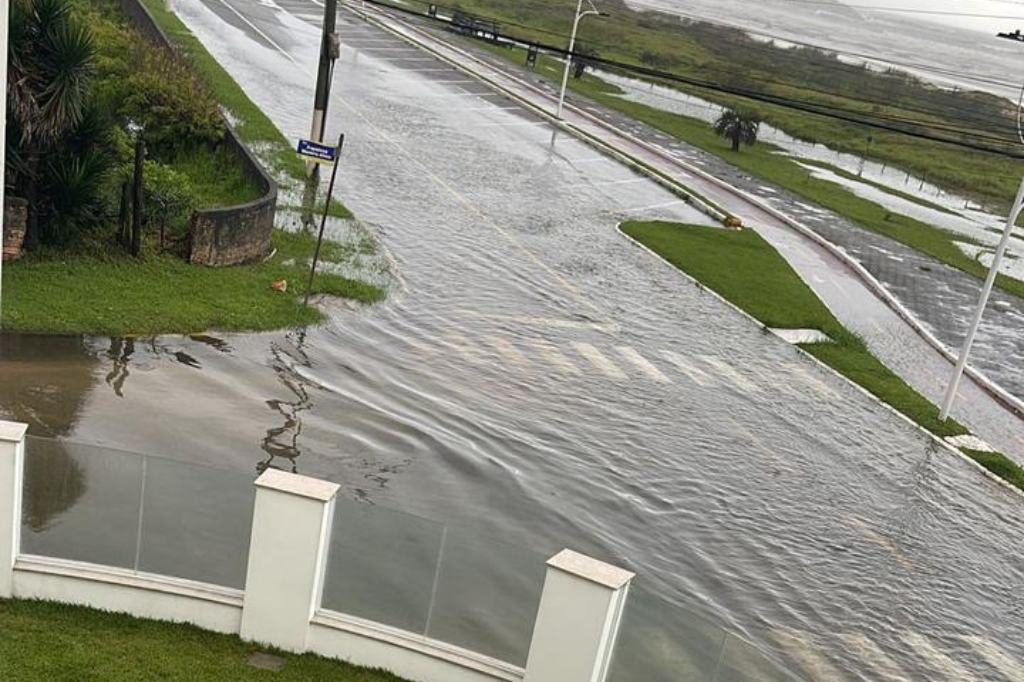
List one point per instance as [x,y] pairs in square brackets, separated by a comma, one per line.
[330,47]
[954,383]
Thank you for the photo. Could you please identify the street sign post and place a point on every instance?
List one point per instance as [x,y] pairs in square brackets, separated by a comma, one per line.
[318,153]
[327,155]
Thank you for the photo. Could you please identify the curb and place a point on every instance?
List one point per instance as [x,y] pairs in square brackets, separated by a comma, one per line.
[933,437]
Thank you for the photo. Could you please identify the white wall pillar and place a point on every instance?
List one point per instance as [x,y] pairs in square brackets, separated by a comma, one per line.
[578,620]
[291,528]
[12,467]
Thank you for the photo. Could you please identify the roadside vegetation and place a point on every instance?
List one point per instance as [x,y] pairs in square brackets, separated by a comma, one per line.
[50,642]
[767,161]
[84,85]
[727,57]
[86,292]
[745,270]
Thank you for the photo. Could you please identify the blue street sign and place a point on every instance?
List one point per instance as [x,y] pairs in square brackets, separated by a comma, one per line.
[318,153]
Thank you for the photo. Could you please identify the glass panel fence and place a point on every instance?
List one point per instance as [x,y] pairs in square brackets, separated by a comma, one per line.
[142,513]
[418,575]
[659,642]
[81,502]
[381,565]
[487,596]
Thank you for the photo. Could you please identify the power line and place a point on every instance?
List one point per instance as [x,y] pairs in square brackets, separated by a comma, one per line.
[913,128]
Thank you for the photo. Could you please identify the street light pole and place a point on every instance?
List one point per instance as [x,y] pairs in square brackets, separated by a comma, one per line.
[1011,221]
[572,45]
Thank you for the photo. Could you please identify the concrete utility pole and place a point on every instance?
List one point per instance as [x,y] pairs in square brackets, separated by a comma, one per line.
[1011,221]
[580,13]
[330,48]
[4,11]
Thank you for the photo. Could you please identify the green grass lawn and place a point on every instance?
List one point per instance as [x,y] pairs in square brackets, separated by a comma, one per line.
[95,293]
[253,126]
[745,270]
[48,642]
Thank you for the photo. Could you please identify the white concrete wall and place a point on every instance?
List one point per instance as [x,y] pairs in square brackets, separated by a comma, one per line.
[291,528]
[12,467]
[578,620]
[156,597]
[403,653]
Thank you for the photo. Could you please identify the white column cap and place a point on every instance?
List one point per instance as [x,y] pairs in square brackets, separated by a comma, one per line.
[12,432]
[595,571]
[300,486]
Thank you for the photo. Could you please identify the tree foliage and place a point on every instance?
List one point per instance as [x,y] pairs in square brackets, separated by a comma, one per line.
[738,126]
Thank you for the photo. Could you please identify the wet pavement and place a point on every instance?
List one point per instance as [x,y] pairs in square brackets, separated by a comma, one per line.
[534,376]
[928,291]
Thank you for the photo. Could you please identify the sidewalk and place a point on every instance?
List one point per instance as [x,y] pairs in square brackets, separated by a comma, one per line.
[851,269]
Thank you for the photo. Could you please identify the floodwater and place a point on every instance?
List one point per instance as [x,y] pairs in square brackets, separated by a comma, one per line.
[537,378]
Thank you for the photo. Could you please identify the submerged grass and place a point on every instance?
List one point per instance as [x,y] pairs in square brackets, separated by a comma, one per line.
[50,642]
[100,293]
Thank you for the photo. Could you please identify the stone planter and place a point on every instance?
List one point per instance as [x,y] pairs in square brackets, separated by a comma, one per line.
[15,219]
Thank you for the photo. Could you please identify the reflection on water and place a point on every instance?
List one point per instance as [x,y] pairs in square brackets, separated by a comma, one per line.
[44,381]
[282,442]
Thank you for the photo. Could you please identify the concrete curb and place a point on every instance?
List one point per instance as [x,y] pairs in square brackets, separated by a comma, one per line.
[997,392]
[934,438]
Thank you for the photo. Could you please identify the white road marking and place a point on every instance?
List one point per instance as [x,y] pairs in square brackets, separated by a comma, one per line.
[995,657]
[598,360]
[466,349]
[951,669]
[698,376]
[727,371]
[807,657]
[870,653]
[555,357]
[808,376]
[643,364]
[512,355]
[639,209]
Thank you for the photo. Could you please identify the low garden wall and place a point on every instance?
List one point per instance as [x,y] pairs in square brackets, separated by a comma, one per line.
[234,234]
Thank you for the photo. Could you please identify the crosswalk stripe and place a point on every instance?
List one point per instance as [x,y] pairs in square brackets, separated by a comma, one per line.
[808,376]
[805,655]
[465,348]
[598,360]
[698,376]
[937,659]
[555,357]
[727,370]
[642,363]
[869,652]
[995,657]
[512,355]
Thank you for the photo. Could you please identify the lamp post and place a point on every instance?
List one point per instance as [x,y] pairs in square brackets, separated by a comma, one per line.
[1011,221]
[572,44]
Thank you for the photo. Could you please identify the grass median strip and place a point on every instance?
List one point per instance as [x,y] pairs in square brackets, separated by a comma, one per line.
[745,270]
[49,642]
[94,293]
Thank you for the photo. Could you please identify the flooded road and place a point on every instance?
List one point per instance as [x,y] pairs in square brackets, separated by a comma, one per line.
[535,377]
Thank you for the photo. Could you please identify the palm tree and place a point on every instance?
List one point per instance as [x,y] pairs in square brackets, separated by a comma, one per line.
[50,62]
[738,127]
